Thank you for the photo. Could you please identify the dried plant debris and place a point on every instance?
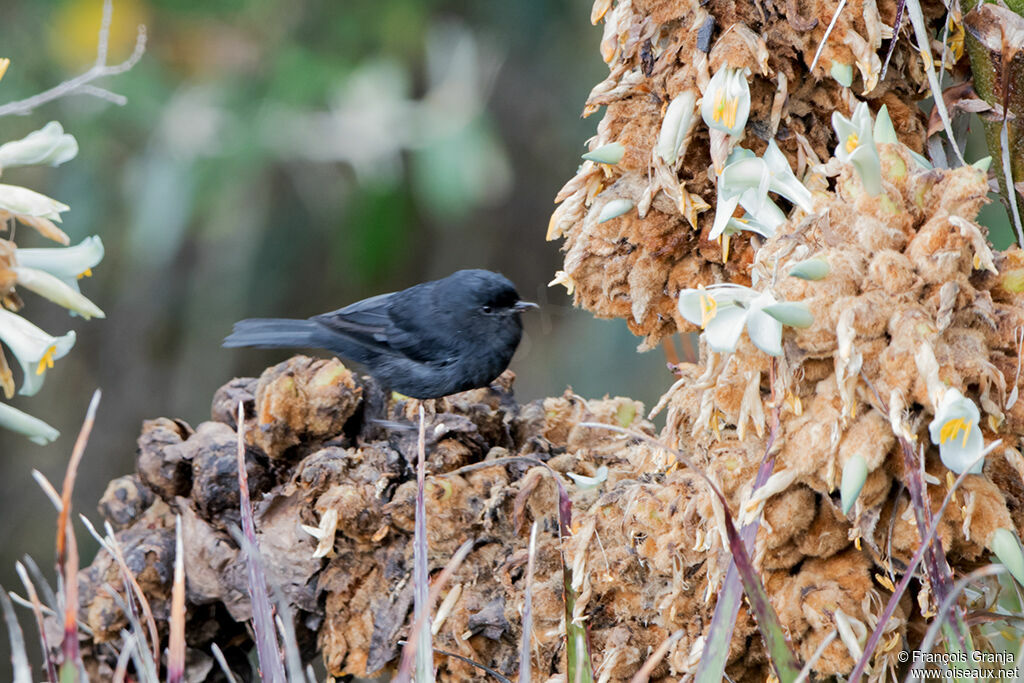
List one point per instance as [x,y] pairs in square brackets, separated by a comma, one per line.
[635,219]
[334,518]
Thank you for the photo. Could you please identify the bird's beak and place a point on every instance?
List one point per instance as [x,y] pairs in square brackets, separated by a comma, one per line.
[521,306]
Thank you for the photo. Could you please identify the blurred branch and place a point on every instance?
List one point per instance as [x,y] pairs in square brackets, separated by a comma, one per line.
[81,84]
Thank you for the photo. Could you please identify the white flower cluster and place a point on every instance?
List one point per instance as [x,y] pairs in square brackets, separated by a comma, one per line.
[52,273]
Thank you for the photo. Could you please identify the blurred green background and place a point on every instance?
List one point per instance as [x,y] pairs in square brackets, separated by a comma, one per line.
[283,158]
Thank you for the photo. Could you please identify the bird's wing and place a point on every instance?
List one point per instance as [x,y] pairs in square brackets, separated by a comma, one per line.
[373,324]
[366,320]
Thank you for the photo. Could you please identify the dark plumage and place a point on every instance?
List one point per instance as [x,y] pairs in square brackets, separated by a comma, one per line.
[427,341]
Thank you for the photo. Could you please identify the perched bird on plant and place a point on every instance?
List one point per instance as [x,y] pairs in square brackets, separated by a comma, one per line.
[430,340]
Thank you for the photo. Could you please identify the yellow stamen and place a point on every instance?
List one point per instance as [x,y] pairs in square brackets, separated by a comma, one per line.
[852,140]
[724,238]
[708,307]
[730,112]
[719,108]
[47,360]
[85,273]
[4,63]
[952,428]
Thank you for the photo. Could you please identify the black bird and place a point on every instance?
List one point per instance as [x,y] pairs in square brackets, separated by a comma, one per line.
[430,340]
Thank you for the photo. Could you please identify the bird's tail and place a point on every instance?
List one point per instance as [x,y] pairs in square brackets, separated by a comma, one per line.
[275,332]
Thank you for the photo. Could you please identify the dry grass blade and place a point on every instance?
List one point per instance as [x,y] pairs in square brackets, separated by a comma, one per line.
[71,666]
[923,42]
[146,667]
[222,663]
[895,36]
[644,673]
[48,489]
[114,548]
[828,32]
[262,619]
[121,669]
[420,652]
[67,549]
[424,649]
[935,563]
[176,647]
[524,648]
[422,621]
[805,673]
[109,543]
[69,476]
[19,658]
[37,610]
[289,643]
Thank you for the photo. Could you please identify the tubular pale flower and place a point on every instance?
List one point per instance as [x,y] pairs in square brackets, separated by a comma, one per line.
[679,118]
[955,431]
[614,208]
[726,103]
[724,310]
[67,263]
[49,145]
[857,146]
[855,473]
[842,73]
[34,349]
[57,290]
[746,181]
[885,132]
[584,482]
[20,200]
[783,181]
[810,269]
[35,429]
[606,154]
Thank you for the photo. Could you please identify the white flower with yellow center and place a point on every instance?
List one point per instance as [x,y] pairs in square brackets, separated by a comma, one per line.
[955,431]
[34,349]
[726,102]
[35,429]
[857,146]
[724,310]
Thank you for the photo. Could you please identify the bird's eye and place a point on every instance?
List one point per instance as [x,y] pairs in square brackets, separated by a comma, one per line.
[487,309]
